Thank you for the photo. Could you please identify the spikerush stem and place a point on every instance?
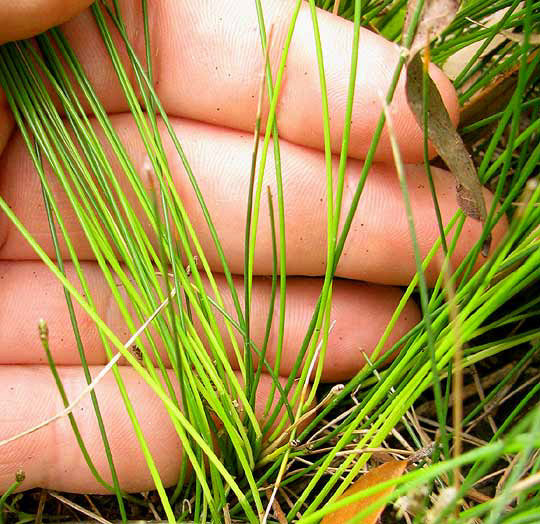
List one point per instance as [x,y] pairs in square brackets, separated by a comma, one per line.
[272,131]
[517,249]
[48,209]
[174,195]
[270,316]
[317,317]
[19,479]
[88,377]
[217,341]
[251,387]
[179,419]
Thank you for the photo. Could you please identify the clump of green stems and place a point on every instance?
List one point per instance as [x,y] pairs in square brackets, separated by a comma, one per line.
[162,275]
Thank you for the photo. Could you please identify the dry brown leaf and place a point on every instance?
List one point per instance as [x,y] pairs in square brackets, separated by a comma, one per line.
[534,38]
[491,99]
[435,17]
[448,143]
[455,63]
[388,471]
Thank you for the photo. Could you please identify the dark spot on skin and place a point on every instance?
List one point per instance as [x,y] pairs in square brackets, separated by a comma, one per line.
[217,108]
[361,225]
[321,200]
[367,250]
[137,353]
[421,186]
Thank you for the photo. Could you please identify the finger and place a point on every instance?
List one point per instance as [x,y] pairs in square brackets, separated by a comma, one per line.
[25,18]
[208,61]
[361,313]
[378,249]
[51,458]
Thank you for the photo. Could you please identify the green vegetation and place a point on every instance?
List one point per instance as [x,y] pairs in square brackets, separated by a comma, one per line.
[486,319]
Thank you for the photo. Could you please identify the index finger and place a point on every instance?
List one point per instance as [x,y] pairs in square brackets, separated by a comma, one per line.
[207,63]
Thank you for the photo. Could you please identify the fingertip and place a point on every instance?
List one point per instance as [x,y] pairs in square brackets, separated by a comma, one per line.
[498,232]
[501,228]
[51,457]
[471,231]
[363,313]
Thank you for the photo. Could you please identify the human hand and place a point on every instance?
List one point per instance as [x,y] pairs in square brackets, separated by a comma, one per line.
[207,67]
